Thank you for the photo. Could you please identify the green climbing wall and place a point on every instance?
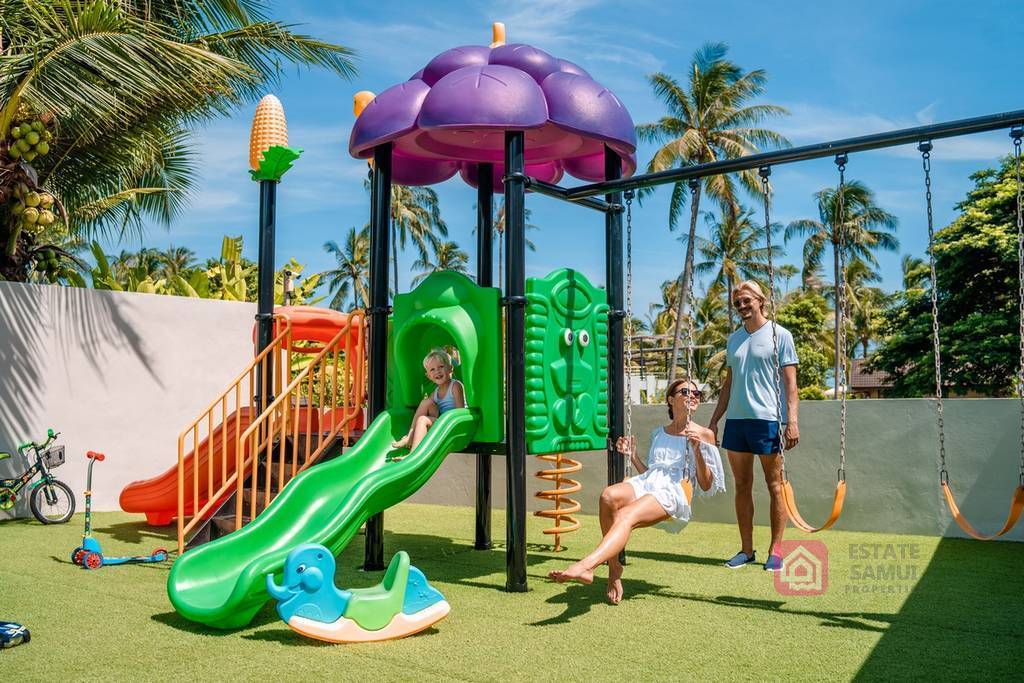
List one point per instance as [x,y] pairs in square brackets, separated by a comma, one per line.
[566,364]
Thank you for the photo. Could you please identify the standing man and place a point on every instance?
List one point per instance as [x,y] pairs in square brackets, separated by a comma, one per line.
[748,400]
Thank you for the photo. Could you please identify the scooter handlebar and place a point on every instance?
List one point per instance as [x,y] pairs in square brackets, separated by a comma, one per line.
[94,455]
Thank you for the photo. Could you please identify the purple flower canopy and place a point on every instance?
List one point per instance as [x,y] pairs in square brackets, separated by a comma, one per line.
[453,114]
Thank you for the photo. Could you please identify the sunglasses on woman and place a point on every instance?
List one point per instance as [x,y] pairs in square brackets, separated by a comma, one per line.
[687,393]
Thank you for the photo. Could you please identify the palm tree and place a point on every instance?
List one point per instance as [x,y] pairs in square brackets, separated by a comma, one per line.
[708,121]
[867,228]
[865,303]
[448,257]
[107,78]
[351,272]
[915,272]
[786,271]
[416,218]
[663,314]
[812,279]
[176,260]
[711,336]
[146,262]
[735,249]
[498,224]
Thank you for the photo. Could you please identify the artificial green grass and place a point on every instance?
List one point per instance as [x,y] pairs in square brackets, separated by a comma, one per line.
[950,611]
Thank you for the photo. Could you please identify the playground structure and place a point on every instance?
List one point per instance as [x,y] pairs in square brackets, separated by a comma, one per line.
[220,583]
[508,112]
[298,401]
[465,113]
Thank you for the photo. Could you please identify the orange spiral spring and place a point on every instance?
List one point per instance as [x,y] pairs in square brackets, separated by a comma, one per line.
[565,507]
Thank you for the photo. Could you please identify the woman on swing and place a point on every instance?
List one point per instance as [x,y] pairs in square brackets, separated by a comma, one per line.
[678,450]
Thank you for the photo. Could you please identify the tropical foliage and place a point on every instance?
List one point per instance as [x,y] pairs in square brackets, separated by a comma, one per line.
[447,256]
[350,276]
[231,277]
[853,227]
[100,85]
[415,219]
[977,274]
[709,119]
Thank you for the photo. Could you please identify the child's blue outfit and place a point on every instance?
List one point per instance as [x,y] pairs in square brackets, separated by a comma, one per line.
[671,459]
[448,402]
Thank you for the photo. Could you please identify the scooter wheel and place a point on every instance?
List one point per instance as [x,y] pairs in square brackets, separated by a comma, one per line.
[77,554]
[92,561]
[159,555]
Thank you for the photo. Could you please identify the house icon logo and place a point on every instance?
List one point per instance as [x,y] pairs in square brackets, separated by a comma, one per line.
[804,568]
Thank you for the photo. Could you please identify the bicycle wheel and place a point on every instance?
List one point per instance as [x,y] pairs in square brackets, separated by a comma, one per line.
[52,503]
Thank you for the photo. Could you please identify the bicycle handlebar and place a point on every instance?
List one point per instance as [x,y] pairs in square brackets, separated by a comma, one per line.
[50,436]
[98,456]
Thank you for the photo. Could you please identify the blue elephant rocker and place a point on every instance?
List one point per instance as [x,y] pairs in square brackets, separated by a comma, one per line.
[309,602]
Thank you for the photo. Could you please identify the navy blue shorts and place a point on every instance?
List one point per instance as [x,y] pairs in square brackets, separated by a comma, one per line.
[760,437]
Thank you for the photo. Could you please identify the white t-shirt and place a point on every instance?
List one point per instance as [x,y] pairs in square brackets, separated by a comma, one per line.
[749,355]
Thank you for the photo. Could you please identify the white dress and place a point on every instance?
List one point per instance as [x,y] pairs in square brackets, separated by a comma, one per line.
[668,462]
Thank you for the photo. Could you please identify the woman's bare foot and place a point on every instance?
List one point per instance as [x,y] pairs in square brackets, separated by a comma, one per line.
[401,443]
[576,572]
[614,583]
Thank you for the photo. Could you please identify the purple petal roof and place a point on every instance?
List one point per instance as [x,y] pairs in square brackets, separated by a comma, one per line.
[453,114]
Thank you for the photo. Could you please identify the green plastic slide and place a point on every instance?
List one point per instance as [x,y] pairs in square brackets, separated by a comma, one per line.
[222,583]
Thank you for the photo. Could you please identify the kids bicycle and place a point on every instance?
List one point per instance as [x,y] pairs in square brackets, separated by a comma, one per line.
[51,500]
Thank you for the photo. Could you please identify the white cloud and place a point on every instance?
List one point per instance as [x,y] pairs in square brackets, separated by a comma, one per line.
[809,123]
[926,115]
[211,199]
[551,25]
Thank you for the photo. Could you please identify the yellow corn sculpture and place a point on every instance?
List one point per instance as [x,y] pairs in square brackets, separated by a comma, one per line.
[269,129]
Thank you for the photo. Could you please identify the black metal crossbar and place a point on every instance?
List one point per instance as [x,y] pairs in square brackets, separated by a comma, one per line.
[862,143]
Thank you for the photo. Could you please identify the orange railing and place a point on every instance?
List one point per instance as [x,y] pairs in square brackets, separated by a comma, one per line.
[329,384]
[320,402]
[215,432]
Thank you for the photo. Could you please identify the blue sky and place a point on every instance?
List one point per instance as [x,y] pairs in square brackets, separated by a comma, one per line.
[841,69]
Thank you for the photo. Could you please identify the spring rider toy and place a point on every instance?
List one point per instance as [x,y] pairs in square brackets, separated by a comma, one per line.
[309,602]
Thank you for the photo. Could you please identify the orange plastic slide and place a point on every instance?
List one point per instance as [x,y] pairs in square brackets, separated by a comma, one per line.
[158,497]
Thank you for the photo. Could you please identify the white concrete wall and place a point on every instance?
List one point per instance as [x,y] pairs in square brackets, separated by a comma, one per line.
[892,468]
[114,372]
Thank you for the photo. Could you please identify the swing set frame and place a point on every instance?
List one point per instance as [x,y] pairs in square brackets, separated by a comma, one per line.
[516,183]
[614,188]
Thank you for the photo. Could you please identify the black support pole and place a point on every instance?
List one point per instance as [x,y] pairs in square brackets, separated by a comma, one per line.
[380,231]
[265,290]
[484,277]
[515,361]
[613,286]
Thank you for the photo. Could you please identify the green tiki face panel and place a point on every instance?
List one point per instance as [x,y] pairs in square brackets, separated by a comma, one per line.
[566,364]
[450,311]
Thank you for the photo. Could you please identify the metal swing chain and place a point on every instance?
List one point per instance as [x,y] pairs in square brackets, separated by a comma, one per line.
[765,172]
[629,328]
[1017,133]
[688,294]
[926,148]
[841,311]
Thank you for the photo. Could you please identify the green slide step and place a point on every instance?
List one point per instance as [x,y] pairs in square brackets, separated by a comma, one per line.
[222,584]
